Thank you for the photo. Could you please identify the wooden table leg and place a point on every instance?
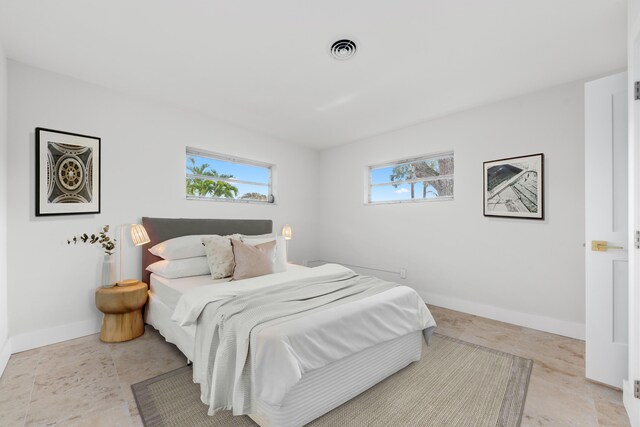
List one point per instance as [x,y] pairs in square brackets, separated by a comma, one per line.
[122,327]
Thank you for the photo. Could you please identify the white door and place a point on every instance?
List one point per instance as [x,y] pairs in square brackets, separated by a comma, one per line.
[631,404]
[606,205]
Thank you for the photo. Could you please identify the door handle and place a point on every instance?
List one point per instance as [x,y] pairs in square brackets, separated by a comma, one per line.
[602,246]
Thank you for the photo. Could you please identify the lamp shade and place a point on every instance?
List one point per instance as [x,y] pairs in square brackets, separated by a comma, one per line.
[286,232]
[139,235]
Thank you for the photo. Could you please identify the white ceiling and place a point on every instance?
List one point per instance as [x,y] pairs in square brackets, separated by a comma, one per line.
[264,65]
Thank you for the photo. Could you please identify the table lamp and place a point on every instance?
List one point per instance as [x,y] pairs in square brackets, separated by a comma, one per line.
[287,233]
[139,237]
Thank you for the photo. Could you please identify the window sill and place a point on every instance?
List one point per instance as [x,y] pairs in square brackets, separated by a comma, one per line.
[239,201]
[405,202]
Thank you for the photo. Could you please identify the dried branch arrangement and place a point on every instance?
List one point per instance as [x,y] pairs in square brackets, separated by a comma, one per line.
[102,238]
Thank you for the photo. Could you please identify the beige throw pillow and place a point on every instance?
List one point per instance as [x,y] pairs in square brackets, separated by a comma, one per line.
[252,261]
[219,255]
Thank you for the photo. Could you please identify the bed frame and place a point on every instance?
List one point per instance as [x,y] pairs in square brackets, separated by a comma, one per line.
[319,391]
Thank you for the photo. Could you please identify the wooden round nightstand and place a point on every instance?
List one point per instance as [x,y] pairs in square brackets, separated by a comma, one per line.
[122,308]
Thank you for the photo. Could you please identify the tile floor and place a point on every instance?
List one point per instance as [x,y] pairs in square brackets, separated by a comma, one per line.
[84,382]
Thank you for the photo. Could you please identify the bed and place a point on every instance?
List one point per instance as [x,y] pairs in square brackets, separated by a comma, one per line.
[316,391]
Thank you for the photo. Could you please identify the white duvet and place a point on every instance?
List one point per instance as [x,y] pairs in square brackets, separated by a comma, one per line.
[286,349]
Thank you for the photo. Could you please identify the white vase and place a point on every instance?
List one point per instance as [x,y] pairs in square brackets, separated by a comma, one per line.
[108,271]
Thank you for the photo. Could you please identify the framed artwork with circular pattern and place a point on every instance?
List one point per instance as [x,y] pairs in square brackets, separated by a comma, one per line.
[67,173]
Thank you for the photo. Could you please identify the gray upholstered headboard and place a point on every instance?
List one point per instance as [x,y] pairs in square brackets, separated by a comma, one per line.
[161,229]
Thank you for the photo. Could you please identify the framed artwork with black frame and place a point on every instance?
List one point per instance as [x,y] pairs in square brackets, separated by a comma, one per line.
[67,173]
[513,187]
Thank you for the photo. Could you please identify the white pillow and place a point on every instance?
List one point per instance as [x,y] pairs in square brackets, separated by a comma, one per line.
[180,247]
[174,269]
[280,257]
[220,255]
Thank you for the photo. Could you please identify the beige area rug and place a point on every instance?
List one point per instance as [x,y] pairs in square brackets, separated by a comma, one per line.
[454,384]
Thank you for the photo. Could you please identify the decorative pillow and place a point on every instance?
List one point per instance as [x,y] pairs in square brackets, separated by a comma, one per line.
[174,269]
[220,254]
[180,247]
[252,261]
[280,256]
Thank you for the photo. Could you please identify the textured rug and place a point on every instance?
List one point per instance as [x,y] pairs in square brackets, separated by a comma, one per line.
[454,384]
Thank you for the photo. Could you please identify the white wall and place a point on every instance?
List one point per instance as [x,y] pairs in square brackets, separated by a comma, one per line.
[633,13]
[5,349]
[51,285]
[523,271]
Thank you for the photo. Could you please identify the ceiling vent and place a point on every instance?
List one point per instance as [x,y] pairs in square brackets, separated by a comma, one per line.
[343,49]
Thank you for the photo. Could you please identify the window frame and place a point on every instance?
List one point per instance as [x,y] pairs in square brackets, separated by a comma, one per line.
[198,152]
[432,156]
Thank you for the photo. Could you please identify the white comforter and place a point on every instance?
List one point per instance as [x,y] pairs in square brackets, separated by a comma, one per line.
[285,350]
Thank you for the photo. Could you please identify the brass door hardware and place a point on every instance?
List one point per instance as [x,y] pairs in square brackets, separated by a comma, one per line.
[602,246]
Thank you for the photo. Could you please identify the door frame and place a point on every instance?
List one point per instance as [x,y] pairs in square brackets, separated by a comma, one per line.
[632,405]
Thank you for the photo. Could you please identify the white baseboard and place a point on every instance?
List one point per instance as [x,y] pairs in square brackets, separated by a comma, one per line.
[42,337]
[5,354]
[533,321]
[631,404]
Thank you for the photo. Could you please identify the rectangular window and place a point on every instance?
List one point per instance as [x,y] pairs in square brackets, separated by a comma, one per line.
[413,180]
[211,176]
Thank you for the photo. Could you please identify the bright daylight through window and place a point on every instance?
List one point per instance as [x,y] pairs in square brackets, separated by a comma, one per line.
[211,176]
[412,180]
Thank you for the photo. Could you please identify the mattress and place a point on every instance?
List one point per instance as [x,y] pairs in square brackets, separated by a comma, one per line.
[169,291]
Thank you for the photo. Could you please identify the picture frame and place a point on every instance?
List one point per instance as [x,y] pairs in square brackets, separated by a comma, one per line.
[67,173]
[514,187]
